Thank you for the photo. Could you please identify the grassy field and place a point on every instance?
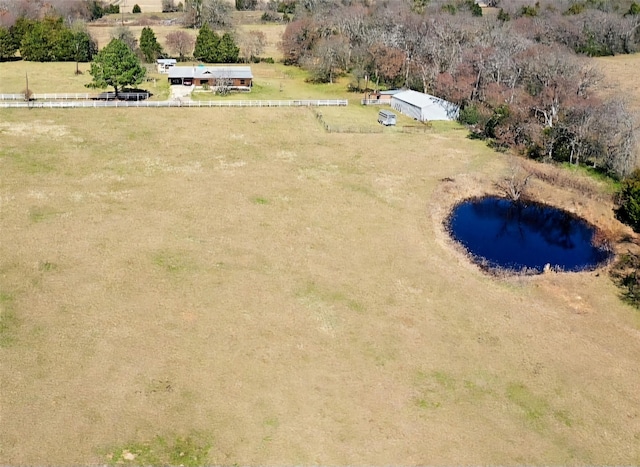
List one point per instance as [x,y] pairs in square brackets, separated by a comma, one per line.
[271,81]
[101,31]
[222,286]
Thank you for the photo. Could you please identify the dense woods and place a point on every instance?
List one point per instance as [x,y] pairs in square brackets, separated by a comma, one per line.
[521,76]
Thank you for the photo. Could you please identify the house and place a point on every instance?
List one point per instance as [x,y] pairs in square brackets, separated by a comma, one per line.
[164,64]
[424,107]
[383,97]
[235,77]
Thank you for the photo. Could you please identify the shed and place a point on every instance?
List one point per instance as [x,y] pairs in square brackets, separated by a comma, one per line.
[236,77]
[424,107]
[164,64]
[383,97]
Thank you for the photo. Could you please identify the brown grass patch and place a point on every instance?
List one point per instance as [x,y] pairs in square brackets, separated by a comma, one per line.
[295,291]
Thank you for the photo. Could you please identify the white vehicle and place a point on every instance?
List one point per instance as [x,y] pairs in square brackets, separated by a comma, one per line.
[386,118]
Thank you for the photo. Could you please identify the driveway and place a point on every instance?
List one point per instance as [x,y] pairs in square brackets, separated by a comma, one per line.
[181,93]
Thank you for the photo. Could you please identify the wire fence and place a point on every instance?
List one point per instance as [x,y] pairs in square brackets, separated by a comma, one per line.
[65,104]
[345,128]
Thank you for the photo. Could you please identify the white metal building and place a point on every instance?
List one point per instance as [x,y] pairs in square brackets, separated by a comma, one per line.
[424,107]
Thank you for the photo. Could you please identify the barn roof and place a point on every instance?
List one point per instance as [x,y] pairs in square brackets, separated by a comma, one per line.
[242,72]
[419,99]
[431,107]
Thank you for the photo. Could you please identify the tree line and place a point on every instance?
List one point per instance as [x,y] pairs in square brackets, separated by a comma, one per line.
[521,77]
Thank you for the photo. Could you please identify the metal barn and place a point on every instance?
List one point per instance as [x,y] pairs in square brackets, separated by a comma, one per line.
[424,107]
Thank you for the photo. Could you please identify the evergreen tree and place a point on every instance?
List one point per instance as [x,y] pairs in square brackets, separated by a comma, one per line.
[207,45]
[116,65]
[228,51]
[8,48]
[149,45]
[39,41]
[19,29]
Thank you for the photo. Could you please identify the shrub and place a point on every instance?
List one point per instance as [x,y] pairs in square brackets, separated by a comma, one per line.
[112,10]
[529,11]
[270,17]
[625,274]
[628,201]
[470,115]
[136,8]
[503,16]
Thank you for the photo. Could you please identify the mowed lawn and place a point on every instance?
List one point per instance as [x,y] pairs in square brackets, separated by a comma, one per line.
[222,286]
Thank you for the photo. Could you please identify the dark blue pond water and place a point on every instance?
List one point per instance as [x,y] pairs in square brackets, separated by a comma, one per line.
[501,234]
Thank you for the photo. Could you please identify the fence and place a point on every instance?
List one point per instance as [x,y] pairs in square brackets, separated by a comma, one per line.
[57,97]
[11,97]
[20,97]
[345,128]
[374,102]
[173,103]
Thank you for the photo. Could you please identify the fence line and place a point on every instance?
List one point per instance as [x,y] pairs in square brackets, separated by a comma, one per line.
[12,97]
[345,129]
[374,102]
[173,103]
[63,96]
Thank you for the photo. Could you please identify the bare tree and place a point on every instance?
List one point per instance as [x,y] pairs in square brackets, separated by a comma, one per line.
[216,13]
[180,43]
[125,34]
[514,184]
[223,85]
[252,44]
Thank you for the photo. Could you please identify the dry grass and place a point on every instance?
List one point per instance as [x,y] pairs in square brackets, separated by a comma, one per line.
[284,296]
[102,31]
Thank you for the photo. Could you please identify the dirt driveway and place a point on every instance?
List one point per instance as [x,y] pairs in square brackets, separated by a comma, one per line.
[181,93]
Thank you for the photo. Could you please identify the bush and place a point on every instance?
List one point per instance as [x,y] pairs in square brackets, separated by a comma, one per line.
[628,201]
[270,17]
[625,273]
[503,16]
[112,10]
[136,8]
[470,115]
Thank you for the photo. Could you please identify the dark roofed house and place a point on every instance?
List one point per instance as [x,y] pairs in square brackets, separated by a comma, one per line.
[238,78]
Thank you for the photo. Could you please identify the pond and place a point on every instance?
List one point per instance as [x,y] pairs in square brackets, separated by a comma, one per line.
[502,234]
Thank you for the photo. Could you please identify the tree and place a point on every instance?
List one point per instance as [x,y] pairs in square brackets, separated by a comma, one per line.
[206,48]
[8,48]
[252,44]
[216,13]
[169,6]
[329,59]
[124,34]
[181,43]
[38,41]
[116,65]
[628,201]
[149,45]
[136,9]
[228,51]
[246,4]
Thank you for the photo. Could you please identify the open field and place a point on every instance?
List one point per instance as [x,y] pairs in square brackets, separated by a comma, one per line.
[220,286]
[246,21]
[271,81]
